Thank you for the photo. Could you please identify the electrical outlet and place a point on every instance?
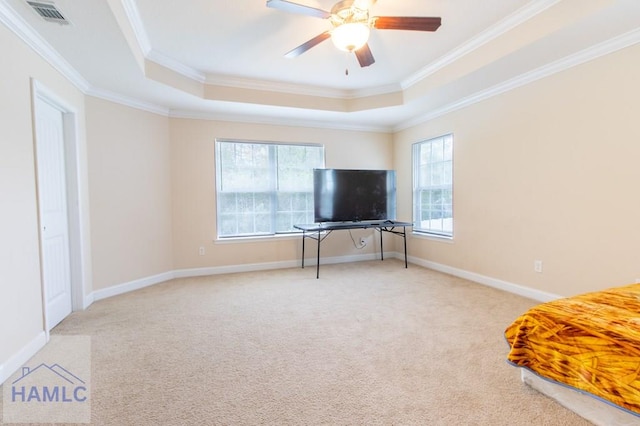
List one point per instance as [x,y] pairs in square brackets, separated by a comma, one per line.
[537,266]
[201,251]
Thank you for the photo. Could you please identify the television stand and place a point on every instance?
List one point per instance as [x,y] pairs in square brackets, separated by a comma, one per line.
[320,231]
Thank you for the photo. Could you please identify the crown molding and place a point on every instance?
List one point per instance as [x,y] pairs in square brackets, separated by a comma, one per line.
[27,34]
[523,14]
[182,69]
[373,91]
[517,18]
[160,58]
[15,23]
[133,15]
[12,20]
[127,101]
[296,89]
[277,121]
[596,51]
[273,86]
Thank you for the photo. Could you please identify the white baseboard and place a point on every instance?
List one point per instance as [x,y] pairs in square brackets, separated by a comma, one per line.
[130,286]
[527,292]
[88,300]
[14,363]
[232,269]
[311,261]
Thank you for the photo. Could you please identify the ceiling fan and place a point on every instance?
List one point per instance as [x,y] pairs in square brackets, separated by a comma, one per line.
[351,25]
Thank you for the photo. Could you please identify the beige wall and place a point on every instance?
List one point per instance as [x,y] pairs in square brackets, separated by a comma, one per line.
[130,193]
[21,318]
[548,171]
[193,188]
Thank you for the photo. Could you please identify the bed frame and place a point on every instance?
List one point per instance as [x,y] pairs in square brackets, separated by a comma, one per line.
[594,409]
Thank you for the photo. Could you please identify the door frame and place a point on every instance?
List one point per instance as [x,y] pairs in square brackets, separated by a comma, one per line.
[76,210]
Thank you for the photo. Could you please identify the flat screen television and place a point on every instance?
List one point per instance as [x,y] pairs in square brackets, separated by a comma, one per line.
[342,195]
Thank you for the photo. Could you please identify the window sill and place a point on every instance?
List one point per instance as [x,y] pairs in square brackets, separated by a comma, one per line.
[433,237]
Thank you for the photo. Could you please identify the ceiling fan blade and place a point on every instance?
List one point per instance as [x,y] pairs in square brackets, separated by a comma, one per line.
[308,45]
[364,55]
[414,23]
[300,9]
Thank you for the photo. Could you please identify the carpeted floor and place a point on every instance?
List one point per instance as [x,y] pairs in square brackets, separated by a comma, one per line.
[369,343]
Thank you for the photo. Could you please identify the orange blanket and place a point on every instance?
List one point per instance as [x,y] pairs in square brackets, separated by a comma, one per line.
[590,342]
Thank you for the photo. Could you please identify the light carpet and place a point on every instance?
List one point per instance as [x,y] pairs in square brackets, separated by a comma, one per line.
[369,343]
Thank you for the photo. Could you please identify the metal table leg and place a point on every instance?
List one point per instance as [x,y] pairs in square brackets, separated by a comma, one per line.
[318,264]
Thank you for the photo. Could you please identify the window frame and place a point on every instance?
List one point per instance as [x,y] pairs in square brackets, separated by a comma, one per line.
[418,188]
[272,191]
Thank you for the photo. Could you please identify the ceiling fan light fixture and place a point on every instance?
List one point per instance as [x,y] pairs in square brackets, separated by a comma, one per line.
[350,36]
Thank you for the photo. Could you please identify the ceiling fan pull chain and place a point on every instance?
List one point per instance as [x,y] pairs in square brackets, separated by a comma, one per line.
[346,68]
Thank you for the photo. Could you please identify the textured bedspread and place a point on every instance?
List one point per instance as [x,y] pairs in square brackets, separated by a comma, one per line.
[590,342]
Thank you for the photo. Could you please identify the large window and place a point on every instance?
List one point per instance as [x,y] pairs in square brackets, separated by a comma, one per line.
[264,188]
[433,186]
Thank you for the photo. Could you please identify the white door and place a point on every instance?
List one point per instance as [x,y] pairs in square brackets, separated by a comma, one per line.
[54,226]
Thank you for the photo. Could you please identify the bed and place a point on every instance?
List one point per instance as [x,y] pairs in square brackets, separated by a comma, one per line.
[584,351]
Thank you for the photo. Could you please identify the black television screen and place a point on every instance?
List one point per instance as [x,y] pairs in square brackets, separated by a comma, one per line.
[342,195]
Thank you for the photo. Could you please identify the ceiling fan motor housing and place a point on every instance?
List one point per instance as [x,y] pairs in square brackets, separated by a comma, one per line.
[345,12]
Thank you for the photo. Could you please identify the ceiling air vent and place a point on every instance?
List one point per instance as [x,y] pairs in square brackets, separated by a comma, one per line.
[48,12]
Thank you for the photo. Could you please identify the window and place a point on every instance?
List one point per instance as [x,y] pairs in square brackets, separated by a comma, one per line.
[433,186]
[264,188]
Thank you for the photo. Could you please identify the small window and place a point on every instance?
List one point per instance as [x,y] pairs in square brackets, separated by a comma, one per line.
[433,186]
[264,188]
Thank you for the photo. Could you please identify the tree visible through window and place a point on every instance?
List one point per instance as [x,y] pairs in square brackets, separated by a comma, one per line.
[433,186]
[264,188]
